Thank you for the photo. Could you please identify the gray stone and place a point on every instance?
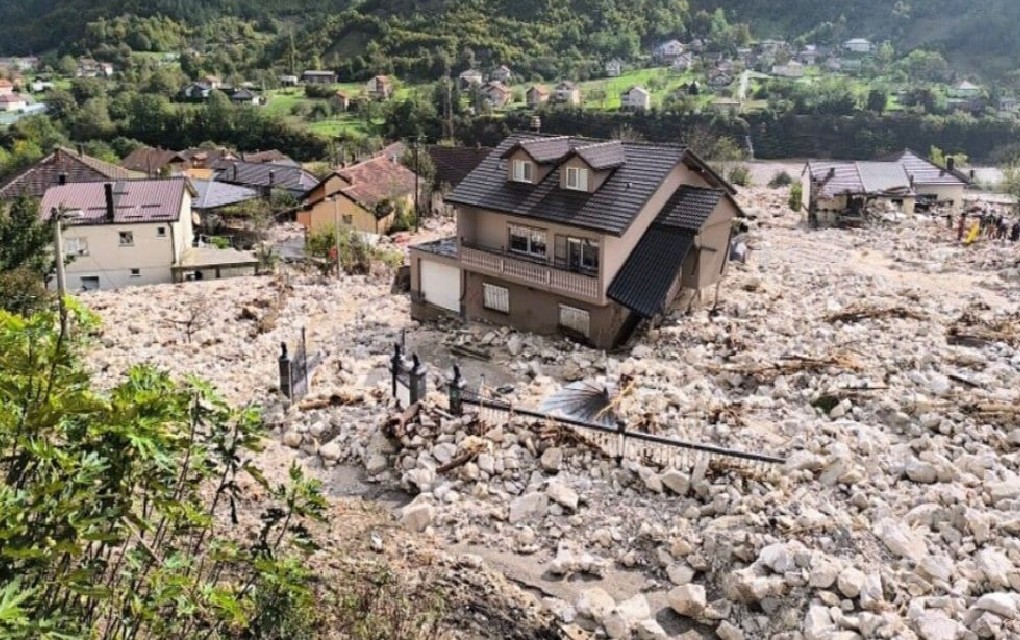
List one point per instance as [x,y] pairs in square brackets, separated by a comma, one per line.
[679,573]
[562,495]
[777,557]
[935,625]
[650,629]
[417,517]
[376,464]
[1001,604]
[675,481]
[330,452]
[444,452]
[850,582]
[818,624]
[688,600]
[552,459]
[526,506]
[595,603]
[728,631]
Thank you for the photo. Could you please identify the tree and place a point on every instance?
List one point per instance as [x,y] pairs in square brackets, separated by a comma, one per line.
[796,200]
[24,257]
[877,100]
[120,506]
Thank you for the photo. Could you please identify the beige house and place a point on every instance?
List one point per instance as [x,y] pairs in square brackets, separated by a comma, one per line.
[365,196]
[636,99]
[123,233]
[536,96]
[577,236]
[932,182]
[379,88]
[836,190]
[567,92]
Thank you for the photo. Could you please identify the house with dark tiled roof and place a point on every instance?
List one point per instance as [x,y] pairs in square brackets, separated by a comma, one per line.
[153,161]
[65,165]
[366,196]
[577,236]
[264,176]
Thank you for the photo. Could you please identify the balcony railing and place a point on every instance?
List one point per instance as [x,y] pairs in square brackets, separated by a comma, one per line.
[549,275]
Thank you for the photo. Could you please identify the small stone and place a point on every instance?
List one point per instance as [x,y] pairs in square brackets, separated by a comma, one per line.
[728,631]
[935,625]
[595,603]
[376,465]
[921,472]
[562,495]
[777,557]
[330,451]
[650,629]
[823,575]
[417,517]
[688,600]
[818,623]
[900,540]
[292,439]
[486,463]
[1001,604]
[680,573]
[444,452]
[850,582]
[676,481]
[526,506]
[552,459]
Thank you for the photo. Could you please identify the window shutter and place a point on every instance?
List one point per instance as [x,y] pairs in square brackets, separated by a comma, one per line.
[575,319]
[496,298]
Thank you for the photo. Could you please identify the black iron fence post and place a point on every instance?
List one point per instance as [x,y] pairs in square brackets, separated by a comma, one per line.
[456,391]
[286,384]
[418,380]
[396,362]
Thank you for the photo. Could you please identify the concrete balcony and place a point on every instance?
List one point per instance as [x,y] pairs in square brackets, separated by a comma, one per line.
[533,272]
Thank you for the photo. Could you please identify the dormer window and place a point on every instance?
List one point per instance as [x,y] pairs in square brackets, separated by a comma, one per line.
[524,171]
[577,179]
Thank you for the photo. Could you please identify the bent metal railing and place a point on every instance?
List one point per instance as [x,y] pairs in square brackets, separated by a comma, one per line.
[618,442]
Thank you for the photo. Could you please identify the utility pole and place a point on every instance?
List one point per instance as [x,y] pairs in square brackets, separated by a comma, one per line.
[417,168]
[336,231]
[61,276]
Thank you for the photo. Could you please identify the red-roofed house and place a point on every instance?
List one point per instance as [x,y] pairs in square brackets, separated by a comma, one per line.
[123,233]
[6,87]
[12,102]
[365,196]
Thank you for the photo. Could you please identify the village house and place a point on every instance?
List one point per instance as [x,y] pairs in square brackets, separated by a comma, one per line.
[67,165]
[567,92]
[614,68]
[155,162]
[668,51]
[29,63]
[452,165]
[577,236]
[6,87]
[859,45]
[366,197]
[195,92]
[719,79]
[38,86]
[122,233]
[809,55]
[497,94]
[965,90]
[536,96]
[340,102]
[245,96]
[931,182]
[635,99]
[837,190]
[502,74]
[682,63]
[314,76]
[265,177]
[89,68]
[470,78]
[380,88]
[288,80]
[1008,105]
[12,102]
[791,69]
[213,81]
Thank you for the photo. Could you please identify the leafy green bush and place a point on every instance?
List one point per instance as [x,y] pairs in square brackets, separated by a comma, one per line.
[781,179]
[115,505]
[796,200]
[739,175]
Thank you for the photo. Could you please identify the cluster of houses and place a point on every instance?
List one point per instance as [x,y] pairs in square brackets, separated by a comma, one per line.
[142,222]
[201,90]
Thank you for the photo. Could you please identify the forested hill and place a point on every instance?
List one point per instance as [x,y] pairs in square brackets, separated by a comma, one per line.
[974,35]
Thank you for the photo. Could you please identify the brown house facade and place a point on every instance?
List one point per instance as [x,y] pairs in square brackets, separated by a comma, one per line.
[577,236]
[365,197]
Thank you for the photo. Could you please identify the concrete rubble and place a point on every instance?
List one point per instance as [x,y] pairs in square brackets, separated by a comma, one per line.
[883,364]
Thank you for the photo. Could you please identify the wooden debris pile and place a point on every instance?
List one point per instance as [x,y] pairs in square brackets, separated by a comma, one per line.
[857,314]
[767,372]
[265,312]
[971,330]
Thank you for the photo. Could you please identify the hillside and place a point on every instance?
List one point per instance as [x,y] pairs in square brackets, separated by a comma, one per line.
[540,35]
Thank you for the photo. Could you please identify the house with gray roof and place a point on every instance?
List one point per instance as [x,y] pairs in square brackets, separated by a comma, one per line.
[582,237]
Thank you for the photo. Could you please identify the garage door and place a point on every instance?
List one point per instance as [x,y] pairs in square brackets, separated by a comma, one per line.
[440,285]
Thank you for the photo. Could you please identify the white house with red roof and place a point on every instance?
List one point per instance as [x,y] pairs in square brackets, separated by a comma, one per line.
[10,102]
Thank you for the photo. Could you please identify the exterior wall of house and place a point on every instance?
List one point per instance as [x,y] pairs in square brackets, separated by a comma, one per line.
[952,192]
[151,254]
[712,248]
[615,251]
[323,214]
[539,311]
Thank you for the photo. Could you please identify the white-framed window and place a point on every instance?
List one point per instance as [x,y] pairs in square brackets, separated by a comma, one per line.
[126,238]
[524,171]
[160,232]
[90,283]
[76,247]
[496,298]
[527,240]
[583,254]
[577,178]
[136,273]
[574,319]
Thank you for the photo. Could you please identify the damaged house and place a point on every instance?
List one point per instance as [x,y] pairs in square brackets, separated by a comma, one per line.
[577,236]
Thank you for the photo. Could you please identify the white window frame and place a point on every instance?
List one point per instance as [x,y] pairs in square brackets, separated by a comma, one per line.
[76,247]
[523,171]
[576,179]
[496,298]
[125,235]
[576,320]
[533,235]
[160,232]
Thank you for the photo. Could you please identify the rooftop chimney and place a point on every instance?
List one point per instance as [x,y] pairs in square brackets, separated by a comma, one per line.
[108,189]
[62,179]
[81,150]
[536,124]
[272,177]
[950,163]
